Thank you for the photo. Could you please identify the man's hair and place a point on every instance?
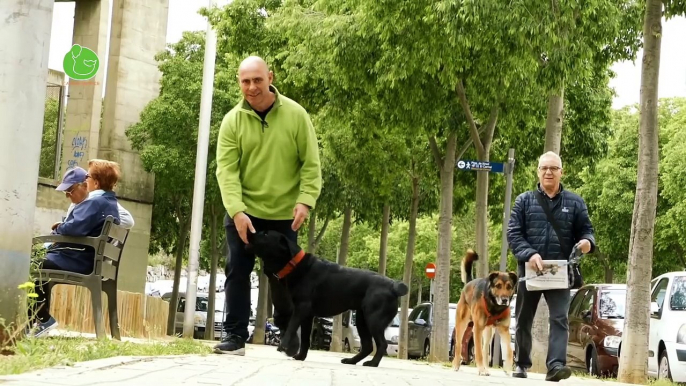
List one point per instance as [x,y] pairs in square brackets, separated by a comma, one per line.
[551,154]
[105,172]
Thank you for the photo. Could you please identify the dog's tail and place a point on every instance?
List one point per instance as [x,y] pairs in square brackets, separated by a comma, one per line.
[400,289]
[467,263]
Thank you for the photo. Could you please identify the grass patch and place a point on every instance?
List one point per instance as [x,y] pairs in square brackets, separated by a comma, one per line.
[34,354]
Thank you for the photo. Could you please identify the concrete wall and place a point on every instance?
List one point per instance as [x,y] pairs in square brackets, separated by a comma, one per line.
[52,205]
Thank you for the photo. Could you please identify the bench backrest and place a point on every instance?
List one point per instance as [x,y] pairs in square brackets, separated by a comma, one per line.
[108,252]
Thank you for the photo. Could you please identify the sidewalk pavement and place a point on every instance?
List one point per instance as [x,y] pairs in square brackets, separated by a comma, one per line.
[263,365]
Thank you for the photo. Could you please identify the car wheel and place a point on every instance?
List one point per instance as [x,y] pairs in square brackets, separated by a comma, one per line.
[451,352]
[346,346]
[427,349]
[592,362]
[664,371]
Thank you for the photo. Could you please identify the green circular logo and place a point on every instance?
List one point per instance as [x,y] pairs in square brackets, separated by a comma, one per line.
[81,63]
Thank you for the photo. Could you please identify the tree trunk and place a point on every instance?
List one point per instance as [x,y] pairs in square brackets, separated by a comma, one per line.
[633,368]
[483,150]
[482,265]
[383,248]
[609,273]
[320,235]
[407,272]
[311,231]
[184,228]
[419,293]
[270,304]
[209,324]
[337,334]
[261,317]
[439,342]
[553,124]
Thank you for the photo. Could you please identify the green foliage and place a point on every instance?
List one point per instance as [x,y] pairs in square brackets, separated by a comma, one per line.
[609,188]
[48,143]
[166,136]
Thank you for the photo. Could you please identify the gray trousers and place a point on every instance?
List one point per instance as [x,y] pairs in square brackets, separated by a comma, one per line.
[525,310]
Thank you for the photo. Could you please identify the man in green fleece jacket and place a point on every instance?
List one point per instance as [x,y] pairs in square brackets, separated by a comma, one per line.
[269,176]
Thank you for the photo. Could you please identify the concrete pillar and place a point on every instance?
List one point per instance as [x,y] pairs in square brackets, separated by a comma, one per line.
[24,47]
[82,128]
[139,30]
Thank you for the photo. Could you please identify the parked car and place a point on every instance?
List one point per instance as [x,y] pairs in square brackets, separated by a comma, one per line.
[320,338]
[667,337]
[596,320]
[200,318]
[392,334]
[420,326]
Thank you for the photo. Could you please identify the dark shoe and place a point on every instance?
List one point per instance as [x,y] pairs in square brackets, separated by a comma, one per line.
[42,328]
[558,373]
[519,372]
[232,345]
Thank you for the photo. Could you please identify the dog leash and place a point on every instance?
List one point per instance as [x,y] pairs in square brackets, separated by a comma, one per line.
[574,259]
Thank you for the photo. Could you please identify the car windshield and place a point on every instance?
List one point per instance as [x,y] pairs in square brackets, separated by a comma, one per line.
[678,299]
[612,304]
[396,320]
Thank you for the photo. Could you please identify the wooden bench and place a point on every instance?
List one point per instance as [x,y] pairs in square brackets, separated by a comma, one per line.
[108,250]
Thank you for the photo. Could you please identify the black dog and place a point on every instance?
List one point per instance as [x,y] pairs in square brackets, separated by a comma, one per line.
[321,288]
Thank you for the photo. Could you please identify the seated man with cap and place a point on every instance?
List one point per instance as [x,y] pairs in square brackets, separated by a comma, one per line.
[86,218]
[75,188]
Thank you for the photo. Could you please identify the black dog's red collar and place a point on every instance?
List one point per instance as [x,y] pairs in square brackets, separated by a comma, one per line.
[291,265]
[492,319]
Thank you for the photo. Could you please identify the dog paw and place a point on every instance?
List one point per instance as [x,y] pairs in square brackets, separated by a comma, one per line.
[456,367]
[300,357]
[484,372]
[370,363]
[348,361]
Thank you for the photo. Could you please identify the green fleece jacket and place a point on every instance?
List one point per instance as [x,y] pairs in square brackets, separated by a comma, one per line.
[265,167]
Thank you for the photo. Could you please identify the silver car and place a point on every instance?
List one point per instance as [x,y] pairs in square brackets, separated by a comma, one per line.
[420,325]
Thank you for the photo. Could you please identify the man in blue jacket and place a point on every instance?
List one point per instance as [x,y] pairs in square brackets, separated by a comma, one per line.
[533,239]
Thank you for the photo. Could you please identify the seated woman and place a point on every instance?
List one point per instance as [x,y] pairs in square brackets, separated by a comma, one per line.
[86,219]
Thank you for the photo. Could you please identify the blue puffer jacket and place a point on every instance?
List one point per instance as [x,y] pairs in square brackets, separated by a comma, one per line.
[529,232]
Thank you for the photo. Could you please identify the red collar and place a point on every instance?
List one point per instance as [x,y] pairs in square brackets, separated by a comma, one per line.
[492,319]
[291,265]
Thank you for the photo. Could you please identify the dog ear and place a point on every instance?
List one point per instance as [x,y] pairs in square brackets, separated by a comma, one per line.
[514,278]
[492,276]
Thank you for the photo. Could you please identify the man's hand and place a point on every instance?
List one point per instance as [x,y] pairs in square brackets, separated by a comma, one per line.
[536,262]
[55,225]
[584,245]
[243,223]
[300,213]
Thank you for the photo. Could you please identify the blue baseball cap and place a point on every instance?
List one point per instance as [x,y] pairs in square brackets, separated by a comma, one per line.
[73,176]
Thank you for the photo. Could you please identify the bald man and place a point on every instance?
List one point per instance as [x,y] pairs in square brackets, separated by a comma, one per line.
[270,177]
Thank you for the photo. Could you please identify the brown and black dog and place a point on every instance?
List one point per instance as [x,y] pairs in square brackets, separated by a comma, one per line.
[486,302]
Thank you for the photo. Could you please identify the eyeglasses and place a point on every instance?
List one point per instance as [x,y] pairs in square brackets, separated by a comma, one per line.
[552,169]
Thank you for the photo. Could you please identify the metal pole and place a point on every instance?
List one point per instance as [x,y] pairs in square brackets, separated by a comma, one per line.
[509,169]
[200,177]
[60,129]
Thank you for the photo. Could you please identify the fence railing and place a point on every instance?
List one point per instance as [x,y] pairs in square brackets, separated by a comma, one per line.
[140,316]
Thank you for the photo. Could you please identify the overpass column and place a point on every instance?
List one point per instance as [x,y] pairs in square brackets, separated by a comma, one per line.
[139,31]
[82,128]
[24,48]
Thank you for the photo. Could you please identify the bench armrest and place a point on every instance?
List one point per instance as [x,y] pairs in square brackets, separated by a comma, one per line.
[85,241]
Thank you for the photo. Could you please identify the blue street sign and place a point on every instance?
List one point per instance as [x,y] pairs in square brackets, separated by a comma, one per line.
[493,167]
